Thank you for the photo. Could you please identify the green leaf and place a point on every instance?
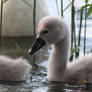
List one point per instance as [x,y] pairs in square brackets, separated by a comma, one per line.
[27,3]
[68,5]
[85,6]
[86,1]
[57,7]
[5,1]
[89,11]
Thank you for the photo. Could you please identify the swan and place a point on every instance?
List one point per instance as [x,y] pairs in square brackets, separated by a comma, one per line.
[13,69]
[54,31]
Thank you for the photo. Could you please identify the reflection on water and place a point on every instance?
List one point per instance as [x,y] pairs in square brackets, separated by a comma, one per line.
[18,47]
[36,81]
[61,87]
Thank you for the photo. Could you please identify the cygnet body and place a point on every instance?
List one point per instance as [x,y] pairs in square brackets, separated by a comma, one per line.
[53,30]
[13,69]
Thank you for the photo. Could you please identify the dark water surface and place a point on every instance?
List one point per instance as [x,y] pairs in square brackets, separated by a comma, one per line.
[36,81]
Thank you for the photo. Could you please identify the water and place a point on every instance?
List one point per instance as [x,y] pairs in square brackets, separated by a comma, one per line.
[18,47]
[36,81]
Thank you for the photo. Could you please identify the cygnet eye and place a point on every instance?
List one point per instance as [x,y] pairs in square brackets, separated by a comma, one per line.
[45,31]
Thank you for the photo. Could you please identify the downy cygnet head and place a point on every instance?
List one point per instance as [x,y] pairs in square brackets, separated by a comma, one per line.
[51,30]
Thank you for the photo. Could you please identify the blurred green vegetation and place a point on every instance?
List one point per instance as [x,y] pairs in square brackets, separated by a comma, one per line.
[75,45]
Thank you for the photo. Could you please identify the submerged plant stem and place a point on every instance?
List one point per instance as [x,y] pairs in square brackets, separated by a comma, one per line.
[57,7]
[73,34]
[34,24]
[62,8]
[1,16]
[73,25]
[1,20]
[34,19]
[85,32]
[79,36]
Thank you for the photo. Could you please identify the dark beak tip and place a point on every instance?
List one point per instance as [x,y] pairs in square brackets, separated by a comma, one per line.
[39,43]
[30,52]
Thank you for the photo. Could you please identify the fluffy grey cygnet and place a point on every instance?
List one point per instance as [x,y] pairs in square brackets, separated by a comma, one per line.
[13,69]
[53,30]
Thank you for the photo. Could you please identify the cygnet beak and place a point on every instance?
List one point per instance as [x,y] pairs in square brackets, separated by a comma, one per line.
[38,43]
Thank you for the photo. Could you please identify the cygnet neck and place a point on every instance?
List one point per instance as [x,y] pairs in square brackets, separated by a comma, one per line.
[58,59]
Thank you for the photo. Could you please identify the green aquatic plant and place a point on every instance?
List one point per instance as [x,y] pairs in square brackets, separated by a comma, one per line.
[75,44]
[89,10]
[57,7]
[68,6]
[1,20]
[1,16]
[34,18]
[5,1]
[80,27]
[73,32]
[34,24]
[27,3]
[62,8]
[85,32]
[86,1]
